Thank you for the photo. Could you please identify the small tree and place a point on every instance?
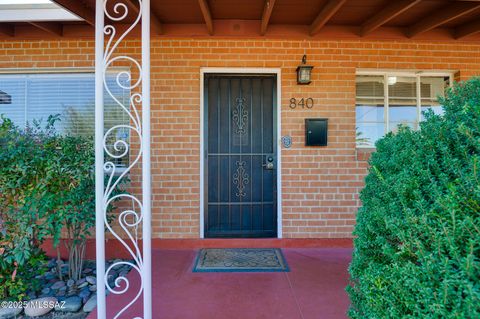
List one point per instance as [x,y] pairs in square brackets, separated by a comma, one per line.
[47,189]
[25,203]
[76,199]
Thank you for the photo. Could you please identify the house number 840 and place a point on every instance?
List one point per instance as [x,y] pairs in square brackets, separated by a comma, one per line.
[302,103]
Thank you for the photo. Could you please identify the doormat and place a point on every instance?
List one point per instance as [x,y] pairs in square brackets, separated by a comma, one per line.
[240,260]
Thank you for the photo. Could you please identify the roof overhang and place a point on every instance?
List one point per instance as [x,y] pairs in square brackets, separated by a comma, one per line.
[433,20]
[31,10]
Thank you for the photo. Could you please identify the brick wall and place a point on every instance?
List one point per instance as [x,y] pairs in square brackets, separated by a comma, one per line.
[320,185]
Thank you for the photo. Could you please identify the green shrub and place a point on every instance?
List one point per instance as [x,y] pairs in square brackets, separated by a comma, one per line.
[47,190]
[16,280]
[417,251]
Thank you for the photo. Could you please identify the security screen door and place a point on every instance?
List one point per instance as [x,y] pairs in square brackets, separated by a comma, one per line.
[240,156]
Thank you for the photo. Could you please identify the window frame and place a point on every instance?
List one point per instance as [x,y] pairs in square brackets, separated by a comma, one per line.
[389,73]
[25,72]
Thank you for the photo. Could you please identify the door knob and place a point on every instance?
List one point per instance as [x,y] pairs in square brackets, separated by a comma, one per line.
[268,165]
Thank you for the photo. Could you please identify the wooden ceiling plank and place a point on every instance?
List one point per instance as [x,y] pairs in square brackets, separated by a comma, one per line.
[77,8]
[267,13]
[328,10]
[207,16]
[386,14]
[7,29]
[443,16]
[467,29]
[155,24]
[50,27]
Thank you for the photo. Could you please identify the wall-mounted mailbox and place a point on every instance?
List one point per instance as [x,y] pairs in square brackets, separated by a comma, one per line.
[316,132]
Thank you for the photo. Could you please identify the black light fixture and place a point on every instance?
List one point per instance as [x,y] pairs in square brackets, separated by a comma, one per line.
[304,72]
[5,98]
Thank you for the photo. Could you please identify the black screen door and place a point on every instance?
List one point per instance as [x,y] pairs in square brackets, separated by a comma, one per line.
[240,156]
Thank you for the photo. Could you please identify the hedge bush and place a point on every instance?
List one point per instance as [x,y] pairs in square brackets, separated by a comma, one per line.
[417,245]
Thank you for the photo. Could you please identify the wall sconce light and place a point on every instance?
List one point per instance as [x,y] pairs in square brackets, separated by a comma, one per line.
[304,72]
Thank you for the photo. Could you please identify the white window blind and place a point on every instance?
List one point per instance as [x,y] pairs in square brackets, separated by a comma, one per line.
[385,101]
[71,95]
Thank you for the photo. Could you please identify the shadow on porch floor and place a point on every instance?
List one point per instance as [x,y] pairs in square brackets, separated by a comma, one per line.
[313,289]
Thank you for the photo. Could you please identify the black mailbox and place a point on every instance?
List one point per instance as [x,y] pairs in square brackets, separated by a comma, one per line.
[316,132]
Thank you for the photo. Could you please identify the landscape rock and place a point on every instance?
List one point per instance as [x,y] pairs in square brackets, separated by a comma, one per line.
[84,284]
[52,263]
[70,282]
[91,280]
[49,276]
[46,290]
[93,288]
[40,306]
[90,304]
[59,284]
[85,293]
[8,313]
[72,304]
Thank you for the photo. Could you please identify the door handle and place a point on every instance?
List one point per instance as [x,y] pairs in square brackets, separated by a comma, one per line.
[268,166]
[269,163]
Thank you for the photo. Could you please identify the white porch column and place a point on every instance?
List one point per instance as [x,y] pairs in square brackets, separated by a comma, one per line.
[146,167]
[129,220]
[99,160]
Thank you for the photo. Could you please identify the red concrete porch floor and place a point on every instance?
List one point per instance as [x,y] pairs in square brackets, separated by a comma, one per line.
[313,289]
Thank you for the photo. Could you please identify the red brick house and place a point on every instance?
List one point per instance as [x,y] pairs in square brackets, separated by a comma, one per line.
[224,92]
[257,117]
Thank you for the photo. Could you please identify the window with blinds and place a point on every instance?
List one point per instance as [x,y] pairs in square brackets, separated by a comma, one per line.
[28,97]
[385,101]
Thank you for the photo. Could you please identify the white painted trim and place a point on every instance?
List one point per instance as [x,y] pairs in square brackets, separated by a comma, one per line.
[146,274]
[202,155]
[99,160]
[40,14]
[408,73]
[278,73]
[24,71]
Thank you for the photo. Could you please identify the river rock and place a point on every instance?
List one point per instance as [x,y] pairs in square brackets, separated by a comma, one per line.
[91,280]
[82,285]
[46,290]
[85,293]
[59,284]
[40,306]
[72,304]
[8,313]
[49,276]
[90,304]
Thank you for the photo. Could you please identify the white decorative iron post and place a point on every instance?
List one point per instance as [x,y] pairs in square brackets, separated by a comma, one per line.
[128,220]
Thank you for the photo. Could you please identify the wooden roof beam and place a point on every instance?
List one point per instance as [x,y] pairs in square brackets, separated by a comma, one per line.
[328,10]
[50,27]
[267,13]
[7,29]
[155,24]
[207,16]
[444,15]
[386,14]
[77,8]
[467,29]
